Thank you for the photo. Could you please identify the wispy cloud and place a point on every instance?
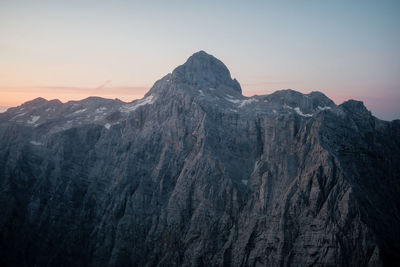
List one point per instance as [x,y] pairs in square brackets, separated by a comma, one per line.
[103,85]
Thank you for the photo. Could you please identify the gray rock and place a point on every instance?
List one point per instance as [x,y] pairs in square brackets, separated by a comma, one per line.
[195,174]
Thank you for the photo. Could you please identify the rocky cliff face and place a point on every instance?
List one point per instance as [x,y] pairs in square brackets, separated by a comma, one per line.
[196,174]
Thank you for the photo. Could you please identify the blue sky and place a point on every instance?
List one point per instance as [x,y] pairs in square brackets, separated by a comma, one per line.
[72,49]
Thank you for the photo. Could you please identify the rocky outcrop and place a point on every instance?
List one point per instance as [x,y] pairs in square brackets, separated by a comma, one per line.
[196,174]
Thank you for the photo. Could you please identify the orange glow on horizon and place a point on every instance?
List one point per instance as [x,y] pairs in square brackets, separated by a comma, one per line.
[15,96]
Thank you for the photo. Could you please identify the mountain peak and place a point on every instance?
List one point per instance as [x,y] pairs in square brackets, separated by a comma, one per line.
[355,107]
[204,70]
[35,102]
[202,53]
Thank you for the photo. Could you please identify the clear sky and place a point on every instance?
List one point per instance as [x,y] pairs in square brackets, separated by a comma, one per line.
[74,49]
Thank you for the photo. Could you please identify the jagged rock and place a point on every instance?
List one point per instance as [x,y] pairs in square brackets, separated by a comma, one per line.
[195,174]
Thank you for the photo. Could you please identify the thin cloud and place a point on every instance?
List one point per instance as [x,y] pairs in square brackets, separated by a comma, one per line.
[103,85]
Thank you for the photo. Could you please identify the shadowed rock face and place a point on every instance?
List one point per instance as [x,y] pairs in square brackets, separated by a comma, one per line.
[202,70]
[195,174]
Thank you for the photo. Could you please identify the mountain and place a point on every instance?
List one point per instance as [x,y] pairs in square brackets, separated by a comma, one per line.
[3,109]
[196,174]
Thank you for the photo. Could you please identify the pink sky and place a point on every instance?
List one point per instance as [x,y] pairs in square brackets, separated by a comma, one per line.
[70,50]
[14,96]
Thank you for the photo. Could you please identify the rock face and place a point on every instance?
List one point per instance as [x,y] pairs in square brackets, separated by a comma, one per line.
[196,174]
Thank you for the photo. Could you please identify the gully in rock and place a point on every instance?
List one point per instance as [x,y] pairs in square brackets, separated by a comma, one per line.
[196,174]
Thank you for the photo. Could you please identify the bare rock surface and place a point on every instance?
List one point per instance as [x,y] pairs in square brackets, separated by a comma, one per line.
[196,174]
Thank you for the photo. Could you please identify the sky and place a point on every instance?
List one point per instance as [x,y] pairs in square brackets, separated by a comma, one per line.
[117,49]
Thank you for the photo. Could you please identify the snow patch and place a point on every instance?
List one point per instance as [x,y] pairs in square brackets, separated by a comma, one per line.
[35,143]
[298,111]
[245,182]
[99,117]
[241,103]
[79,111]
[286,106]
[107,126]
[247,101]
[324,108]
[201,93]
[133,106]
[33,119]
[234,101]
[255,168]
[100,110]
[18,115]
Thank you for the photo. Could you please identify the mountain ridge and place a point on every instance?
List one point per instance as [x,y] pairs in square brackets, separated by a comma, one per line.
[196,72]
[192,175]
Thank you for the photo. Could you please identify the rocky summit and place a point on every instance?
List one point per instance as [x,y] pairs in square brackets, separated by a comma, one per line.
[196,174]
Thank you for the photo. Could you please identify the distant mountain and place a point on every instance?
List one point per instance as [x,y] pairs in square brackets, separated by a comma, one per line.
[3,109]
[196,174]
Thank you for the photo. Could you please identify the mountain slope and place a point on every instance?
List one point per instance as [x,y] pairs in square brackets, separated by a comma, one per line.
[196,174]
